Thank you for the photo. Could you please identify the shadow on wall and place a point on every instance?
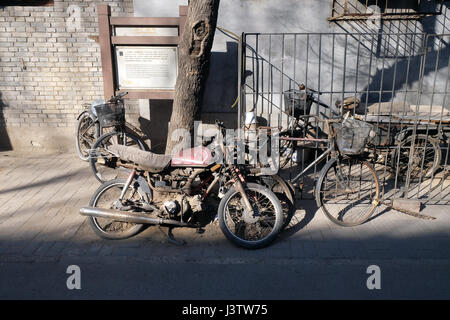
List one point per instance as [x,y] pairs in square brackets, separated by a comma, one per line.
[408,70]
[221,87]
[5,143]
[157,127]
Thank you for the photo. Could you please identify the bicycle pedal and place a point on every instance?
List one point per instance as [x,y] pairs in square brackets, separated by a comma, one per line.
[200,230]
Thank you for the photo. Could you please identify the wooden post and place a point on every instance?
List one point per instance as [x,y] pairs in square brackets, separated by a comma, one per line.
[104,30]
[183,18]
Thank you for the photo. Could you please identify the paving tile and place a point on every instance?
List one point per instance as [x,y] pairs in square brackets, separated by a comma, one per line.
[40,197]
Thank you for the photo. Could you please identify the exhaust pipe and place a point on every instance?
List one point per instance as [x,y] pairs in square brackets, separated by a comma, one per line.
[125,216]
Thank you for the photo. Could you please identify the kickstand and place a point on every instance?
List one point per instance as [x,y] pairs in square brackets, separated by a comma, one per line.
[171,239]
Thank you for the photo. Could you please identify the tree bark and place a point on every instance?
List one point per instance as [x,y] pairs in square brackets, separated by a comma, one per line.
[193,66]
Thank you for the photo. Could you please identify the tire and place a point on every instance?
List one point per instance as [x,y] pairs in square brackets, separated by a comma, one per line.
[426,150]
[284,193]
[99,224]
[87,133]
[287,149]
[348,191]
[231,198]
[102,162]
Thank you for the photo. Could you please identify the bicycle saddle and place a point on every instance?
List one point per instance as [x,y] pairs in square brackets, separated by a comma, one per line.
[349,103]
[145,160]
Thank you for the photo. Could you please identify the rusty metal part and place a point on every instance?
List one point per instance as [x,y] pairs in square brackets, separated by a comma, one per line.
[126,216]
[346,13]
[240,188]
[406,211]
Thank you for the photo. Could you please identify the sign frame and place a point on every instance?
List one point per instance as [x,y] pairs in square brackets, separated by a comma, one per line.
[108,42]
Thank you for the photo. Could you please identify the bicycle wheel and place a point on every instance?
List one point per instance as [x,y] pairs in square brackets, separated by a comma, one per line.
[254,229]
[104,163]
[87,133]
[425,158]
[287,149]
[106,197]
[347,191]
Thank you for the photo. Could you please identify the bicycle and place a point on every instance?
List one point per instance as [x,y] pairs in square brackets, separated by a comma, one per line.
[347,190]
[91,143]
[89,129]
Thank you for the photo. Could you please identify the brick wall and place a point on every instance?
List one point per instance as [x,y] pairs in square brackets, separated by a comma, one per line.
[47,68]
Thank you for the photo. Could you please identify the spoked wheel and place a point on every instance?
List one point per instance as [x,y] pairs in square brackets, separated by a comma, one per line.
[287,149]
[348,191]
[254,229]
[423,161]
[283,192]
[107,197]
[104,163]
[87,134]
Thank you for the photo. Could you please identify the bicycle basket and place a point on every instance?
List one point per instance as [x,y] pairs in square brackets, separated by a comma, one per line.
[297,103]
[352,135]
[110,114]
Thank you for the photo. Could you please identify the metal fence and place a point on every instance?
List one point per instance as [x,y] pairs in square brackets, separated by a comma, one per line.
[400,79]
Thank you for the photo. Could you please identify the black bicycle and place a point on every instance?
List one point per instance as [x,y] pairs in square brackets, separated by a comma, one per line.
[91,144]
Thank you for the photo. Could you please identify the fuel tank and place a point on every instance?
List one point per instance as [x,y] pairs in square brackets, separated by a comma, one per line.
[195,157]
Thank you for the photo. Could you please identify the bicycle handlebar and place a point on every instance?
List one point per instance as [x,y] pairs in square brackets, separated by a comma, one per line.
[303,87]
[118,97]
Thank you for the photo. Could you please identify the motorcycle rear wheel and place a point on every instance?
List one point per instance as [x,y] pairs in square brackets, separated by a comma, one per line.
[105,197]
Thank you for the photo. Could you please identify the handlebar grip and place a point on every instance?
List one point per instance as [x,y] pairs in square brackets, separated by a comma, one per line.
[119,96]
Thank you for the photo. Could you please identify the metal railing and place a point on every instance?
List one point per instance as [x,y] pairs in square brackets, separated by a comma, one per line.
[405,94]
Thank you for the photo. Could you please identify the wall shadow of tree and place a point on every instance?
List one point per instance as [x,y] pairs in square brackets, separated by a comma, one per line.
[5,143]
[424,56]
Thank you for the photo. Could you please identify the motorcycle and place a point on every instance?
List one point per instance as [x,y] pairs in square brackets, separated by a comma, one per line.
[180,191]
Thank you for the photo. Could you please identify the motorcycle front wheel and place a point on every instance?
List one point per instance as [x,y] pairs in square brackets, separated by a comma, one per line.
[254,229]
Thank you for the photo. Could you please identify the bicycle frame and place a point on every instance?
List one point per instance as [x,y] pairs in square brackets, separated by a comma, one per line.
[330,141]
[316,161]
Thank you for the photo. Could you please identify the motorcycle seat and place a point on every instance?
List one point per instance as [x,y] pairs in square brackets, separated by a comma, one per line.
[145,160]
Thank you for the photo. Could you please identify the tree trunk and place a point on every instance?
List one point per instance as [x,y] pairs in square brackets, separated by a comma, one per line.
[193,66]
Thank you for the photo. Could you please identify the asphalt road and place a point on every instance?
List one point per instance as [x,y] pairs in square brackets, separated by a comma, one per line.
[282,279]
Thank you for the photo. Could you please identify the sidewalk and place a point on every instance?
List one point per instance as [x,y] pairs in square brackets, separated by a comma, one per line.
[40,229]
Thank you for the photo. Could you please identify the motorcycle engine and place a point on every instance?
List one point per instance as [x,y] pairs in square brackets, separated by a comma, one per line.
[175,204]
